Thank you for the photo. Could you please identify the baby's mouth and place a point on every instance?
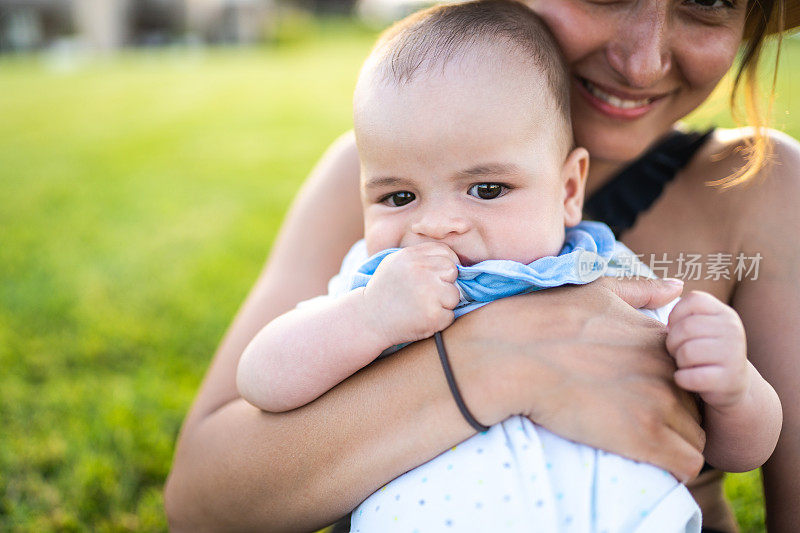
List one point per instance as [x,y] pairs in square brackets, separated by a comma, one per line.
[465,261]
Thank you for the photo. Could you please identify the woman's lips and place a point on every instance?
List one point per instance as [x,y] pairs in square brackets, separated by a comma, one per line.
[616,104]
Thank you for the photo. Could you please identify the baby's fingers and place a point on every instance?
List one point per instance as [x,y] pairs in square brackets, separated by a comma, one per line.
[438,249]
[689,328]
[699,352]
[696,303]
[701,379]
[448,271]
[450,296]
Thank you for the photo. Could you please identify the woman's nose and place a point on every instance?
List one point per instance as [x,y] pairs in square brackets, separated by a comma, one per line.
[639,52]
[439,224]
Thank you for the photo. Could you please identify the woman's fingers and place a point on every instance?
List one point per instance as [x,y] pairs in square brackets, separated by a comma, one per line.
[648,293]
[674,454]
[599,371]
[700,379]
[682,416]
[648,431]
[669,436]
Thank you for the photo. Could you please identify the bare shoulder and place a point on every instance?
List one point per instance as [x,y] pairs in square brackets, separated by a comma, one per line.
[765,211]
[344,147]
[323,221]
[773,191]
[328,204]
[727,152]
[340,162]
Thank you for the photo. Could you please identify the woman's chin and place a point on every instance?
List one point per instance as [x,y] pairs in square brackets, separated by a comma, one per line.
[622,146]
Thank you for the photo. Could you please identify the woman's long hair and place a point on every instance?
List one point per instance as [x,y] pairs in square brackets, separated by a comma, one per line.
[764,18]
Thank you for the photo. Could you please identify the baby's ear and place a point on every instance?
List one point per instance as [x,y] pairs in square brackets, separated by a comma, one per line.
[573,174]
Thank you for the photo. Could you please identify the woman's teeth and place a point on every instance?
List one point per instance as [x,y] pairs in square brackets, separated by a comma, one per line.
[613,100]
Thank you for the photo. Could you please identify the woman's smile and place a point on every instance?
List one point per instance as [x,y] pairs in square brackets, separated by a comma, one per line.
[615,103]
[638,67]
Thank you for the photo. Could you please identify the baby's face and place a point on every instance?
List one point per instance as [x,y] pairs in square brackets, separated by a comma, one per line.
[465,157]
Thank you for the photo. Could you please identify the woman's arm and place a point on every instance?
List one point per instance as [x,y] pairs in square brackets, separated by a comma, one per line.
[770,309]
[577,360]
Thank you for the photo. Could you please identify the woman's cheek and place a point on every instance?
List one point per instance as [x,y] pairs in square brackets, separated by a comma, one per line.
[704,61]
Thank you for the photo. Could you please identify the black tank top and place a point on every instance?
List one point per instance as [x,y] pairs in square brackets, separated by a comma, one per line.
[638,186]
[632,191]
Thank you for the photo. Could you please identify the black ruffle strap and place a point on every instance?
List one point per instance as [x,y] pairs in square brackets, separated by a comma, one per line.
[636,188]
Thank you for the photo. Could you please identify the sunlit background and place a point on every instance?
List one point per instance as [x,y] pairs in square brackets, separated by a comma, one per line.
[148,152]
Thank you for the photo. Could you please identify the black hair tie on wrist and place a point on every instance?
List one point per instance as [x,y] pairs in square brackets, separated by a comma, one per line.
[448,373]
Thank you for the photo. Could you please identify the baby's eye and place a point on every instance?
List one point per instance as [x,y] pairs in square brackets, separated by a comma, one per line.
[487,191]
[398,199]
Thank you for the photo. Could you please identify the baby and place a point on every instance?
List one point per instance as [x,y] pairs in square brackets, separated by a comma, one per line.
[469,178]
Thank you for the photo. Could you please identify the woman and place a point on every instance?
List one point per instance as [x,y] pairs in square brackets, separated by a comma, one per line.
[554,356]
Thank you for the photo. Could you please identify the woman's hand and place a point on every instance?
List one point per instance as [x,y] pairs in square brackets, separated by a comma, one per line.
[589,367]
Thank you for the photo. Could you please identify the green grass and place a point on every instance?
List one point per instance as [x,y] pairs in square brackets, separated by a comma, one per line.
[139,196]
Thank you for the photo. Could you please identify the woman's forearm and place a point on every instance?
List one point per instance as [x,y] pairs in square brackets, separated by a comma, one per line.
[240,468]
[538,355]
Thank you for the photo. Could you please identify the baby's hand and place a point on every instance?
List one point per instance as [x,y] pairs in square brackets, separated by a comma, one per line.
[707,340]
[412,294]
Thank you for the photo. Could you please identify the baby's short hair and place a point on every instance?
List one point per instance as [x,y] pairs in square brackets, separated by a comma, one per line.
[431,38]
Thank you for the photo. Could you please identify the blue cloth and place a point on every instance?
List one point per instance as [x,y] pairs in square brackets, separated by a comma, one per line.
[588,249]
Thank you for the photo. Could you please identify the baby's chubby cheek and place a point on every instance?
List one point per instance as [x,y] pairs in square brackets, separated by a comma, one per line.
[380,236]
[530,250]
[527,238]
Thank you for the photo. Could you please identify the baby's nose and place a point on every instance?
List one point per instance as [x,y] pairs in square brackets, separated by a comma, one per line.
[439,224]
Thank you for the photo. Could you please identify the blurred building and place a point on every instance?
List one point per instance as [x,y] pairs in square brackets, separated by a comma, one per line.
[230,21]
[27,24]
[381,13]
[111,24]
